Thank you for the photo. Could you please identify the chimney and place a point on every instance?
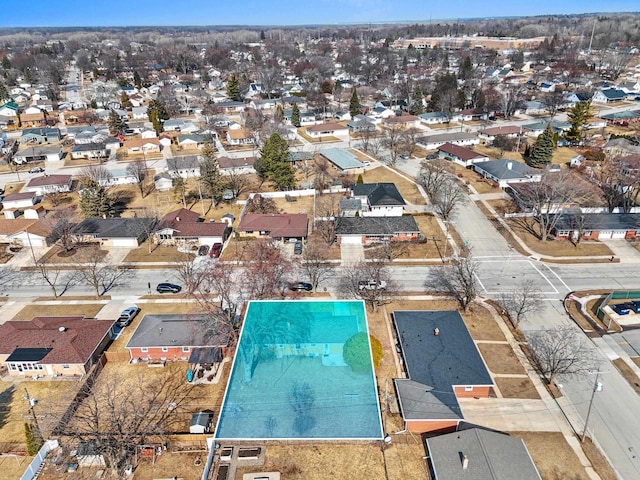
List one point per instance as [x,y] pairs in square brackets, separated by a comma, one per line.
[465,462]
[509,165]
[436,331]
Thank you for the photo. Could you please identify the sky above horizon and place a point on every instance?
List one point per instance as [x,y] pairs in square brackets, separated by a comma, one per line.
[79,13]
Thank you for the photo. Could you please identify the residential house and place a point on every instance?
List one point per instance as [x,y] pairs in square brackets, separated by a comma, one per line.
[184,167]
[432,142]
[44,184]
[382,112]
[53,346]
[236,165]
[185,228]
[90,151]
[20,200]
[230,106]
[300,158]
[141,145]
[536,129]
[597,226]
[434,118]
[33,119]
[608,95]
[201,422]
[470,115]
[114,232]
[505,172]
[510,131]
[379,199]
[481,454]
[33,136]
[326,130]
[11,227]
[359,125]
[9,109]
[191,142]
[283,226]
[38,233]
[342,159]
[173,337]
[240,136]
[163,181]
[460,155]
[402,121]
[364,230]
[139,113]
[179,125]
[442,363]
[119,176]
[534,107]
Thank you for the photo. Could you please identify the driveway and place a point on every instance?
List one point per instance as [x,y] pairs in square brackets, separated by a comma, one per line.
[351,253]
[623,250]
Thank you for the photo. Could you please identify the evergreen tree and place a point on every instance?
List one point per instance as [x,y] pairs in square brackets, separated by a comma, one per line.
[212,180]
[295,115]
[262,36]
[233,87]
[137,81]
[93,104]
[6,63]
[274,163]
[115,122]
[578,116]
[157,112]
[125,102]
[354,104]
[542,149]
[4,94]
[416,107]
[95,201]
[279,115]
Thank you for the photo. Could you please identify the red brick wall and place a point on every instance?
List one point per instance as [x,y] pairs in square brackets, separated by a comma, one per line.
[423,426]
[172,353]
[480,392]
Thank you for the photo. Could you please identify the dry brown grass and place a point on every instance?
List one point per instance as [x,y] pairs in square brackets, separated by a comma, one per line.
[552,455]
[302,131]
[157,254]
[481,324]
[494,153]
[407,189]
[598,461]
[500,358]
[57,255]
[39,310]
[169,465]
[14,467]
[53,398]
[628,374]
[432,248]
[516,387]
[551,248]
[476,180]
[13,187]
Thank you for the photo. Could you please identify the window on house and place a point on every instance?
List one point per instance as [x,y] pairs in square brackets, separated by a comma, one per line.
[185,349]
[165,349]
[144,349]
[66,367]
[468,389]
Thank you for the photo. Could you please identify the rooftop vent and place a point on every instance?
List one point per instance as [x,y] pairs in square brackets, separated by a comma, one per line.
[62,329]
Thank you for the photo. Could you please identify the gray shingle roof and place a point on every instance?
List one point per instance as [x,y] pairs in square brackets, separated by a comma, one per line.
[436,363]
[600,221]
[376,225]
[505,169]
[341,158]
[490,455]
[114,227]
[175,331]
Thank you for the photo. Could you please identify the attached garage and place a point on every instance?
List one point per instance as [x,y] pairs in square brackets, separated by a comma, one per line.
[351,239]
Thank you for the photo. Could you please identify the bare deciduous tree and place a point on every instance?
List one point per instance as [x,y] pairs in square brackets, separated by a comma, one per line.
[380,291]
[521,302]
[448,198]
[189,271]
[315,263]
[122,412]
[93,269]
[138,170]
[266,270]
[393,140]
[432,174]
[59,280]
[458,279]
[561,351]
[97,174]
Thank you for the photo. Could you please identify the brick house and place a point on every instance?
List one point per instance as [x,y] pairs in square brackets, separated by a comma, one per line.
[58,346]
[376,229]
[172,337]
[442,364]
[461,155]
[597,226]
[279,226]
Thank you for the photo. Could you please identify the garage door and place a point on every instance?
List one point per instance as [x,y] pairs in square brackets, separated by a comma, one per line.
[604,234]
[351,239]
[619,234]
[125,242]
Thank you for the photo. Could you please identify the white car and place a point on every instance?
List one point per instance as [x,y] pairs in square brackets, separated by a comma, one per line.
[372,285]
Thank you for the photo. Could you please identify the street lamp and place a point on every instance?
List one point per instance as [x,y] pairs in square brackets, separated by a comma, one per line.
[597,387]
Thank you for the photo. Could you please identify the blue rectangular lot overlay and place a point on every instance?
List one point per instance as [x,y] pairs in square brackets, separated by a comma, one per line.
[293,377]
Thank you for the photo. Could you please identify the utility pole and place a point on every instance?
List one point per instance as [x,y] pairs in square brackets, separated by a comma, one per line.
[593,30]
[32,403]
[597,387]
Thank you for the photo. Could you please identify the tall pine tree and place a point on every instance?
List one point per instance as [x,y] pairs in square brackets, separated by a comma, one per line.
[233,87]
[578,116]
[273,163]
[157,113]
[95,201]
[4,94]
[115,122]
[354,104]
[416,107]
[542,149]
[295,115]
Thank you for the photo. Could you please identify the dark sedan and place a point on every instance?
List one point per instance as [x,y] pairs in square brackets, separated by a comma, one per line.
[168,288]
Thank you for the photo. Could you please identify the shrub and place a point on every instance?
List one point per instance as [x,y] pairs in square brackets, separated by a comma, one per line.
[356,352]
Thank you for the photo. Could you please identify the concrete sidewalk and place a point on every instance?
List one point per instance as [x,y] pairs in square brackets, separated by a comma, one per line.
[623,250]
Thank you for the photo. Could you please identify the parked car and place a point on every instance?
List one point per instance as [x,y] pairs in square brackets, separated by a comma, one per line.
[404,156]
[297,286]
[127,316]
[203,250]
[168,288]
[372,285]
[216,250]
[432,156]
[36,170]
[297,248]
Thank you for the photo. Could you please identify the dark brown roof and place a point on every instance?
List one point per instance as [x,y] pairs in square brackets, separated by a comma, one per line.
[73,345]
[13,226]
[199,229]
[460,152]
[12,197]
[401,119]
[49,180]
[228,162]
[278,225]
[505,130]
[177,217]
